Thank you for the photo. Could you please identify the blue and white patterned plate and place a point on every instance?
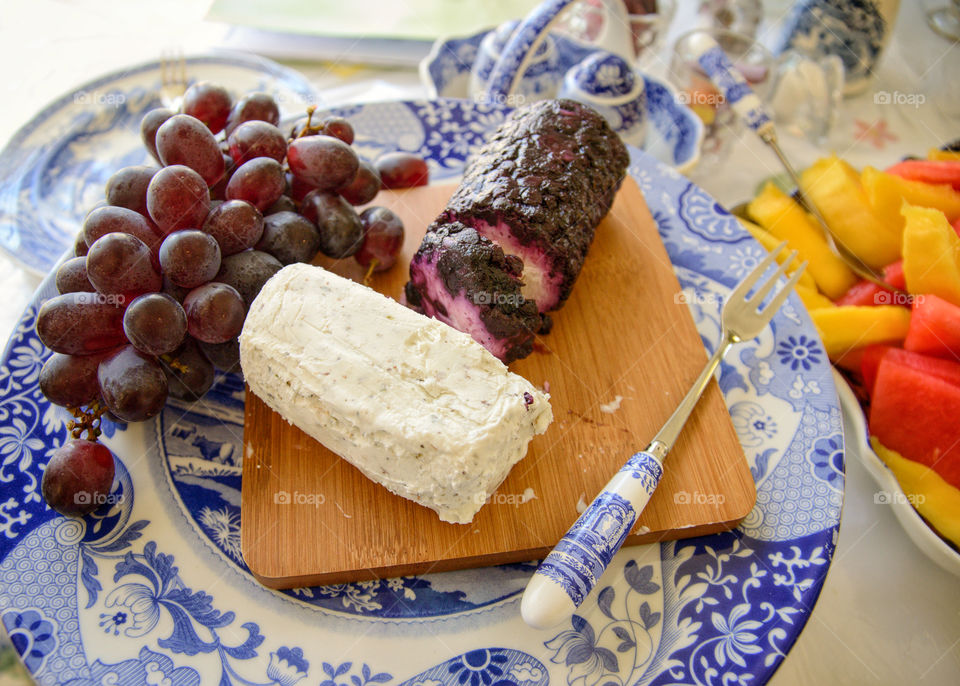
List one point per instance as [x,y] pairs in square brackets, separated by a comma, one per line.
[152,585]
[55,167]
[674,133]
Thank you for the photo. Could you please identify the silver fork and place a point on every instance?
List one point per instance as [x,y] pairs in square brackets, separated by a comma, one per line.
[173,79]
[574,566]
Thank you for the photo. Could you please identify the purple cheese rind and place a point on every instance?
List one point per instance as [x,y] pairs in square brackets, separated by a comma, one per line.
[465,280]
[549,174]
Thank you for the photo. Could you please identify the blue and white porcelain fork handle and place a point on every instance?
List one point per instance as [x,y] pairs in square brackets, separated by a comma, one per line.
[574,566]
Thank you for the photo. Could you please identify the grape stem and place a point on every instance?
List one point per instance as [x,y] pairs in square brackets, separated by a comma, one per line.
[174,363]
[373,265]
[309,129]
[86,419]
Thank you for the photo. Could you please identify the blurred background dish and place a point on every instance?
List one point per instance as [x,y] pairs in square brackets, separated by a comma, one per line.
[674,133]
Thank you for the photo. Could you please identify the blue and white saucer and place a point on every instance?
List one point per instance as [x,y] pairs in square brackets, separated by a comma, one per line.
[673,134]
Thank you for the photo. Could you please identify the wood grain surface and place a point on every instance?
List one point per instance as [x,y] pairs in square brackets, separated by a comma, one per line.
[309,517]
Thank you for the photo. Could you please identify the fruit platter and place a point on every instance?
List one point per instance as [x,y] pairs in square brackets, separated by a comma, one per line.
[894,342]
[125,405]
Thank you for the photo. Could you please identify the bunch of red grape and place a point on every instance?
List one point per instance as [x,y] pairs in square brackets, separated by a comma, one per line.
[167,267]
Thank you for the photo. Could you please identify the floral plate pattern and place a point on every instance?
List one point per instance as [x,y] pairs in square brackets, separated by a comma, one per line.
[151,587]
[83,137]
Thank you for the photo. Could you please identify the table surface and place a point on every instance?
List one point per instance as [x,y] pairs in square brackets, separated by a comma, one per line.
[887,615]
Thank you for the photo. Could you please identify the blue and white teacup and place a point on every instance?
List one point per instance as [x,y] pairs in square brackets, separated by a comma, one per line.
[540,78]
[610,85]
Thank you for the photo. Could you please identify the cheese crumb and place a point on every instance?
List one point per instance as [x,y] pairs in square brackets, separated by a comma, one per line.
[528,494]
[612,406]
[582,503]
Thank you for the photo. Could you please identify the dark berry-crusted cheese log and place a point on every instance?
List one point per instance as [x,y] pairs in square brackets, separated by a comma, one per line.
[537,188]
[463,279]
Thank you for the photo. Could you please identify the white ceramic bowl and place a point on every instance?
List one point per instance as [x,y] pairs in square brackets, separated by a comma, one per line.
[858,442]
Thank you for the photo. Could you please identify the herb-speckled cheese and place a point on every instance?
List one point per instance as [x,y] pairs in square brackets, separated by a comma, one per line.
[414,404]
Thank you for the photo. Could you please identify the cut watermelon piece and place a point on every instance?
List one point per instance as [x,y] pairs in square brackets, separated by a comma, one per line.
[945,370]
[870,363]
[929,171]
[867,293]
[915,413]
[893,275]
[934,328]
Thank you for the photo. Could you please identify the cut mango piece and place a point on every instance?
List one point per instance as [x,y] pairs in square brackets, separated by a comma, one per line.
[785,220]
[934,498]
[931,254]
[813,299]
[887,192]
[769,242]
[834,187]
[943,155]
[848,327]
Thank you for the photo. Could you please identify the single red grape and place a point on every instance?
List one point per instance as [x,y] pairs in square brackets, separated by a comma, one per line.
[71,380]
[80,324]
[338,127]
[364,187]
[323,161]
[128,188]
[119,264]
[236,225]
[155,324]
[215,312]
[341,232]
[189,258]
[72,277]
[382,238]
[247,271]
[132,384]
[78,477]
[209,103]
[178,198]
[253,106]
[186,140]
[257,139]
[289,237]
[402,170]
[149,125]
[260,182]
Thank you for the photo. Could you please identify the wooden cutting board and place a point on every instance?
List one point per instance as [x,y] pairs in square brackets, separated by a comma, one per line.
[311,518]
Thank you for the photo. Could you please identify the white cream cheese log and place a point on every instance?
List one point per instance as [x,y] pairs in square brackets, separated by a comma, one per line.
[414,404]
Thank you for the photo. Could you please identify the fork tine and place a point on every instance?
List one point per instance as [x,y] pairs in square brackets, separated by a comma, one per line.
[768,311]
[767,285]
[740,292]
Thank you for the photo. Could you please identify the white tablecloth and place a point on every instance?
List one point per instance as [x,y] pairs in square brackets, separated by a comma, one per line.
[886,615]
